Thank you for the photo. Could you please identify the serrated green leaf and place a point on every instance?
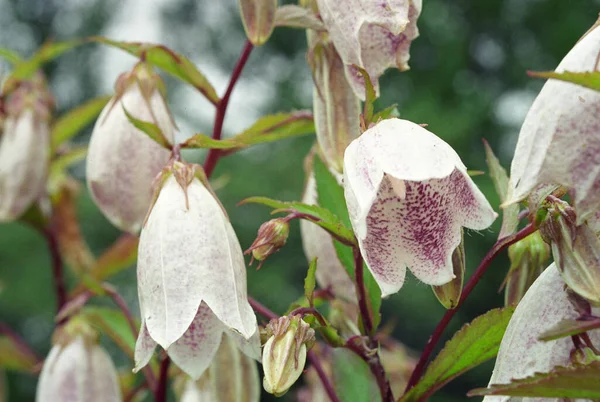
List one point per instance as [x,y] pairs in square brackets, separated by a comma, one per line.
[310,281]
[472,345]
[204,141]
[510,214]
[578,381]
[588,79]
[48,52]
[73,121]
[169,61]
[14,358]
[113,323]
[276,127]
[352,378]
[323,217]
[568,328]
[10,55]
[148,128]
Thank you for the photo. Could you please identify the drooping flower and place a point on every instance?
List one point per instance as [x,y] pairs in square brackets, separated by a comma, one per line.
[559,142]
[78,369]
[232,376]
[122,161]
[335,106]
[373,35]
[284,354]
[191,276]
[521,353]
[24,147]
[316,242]
[408,195]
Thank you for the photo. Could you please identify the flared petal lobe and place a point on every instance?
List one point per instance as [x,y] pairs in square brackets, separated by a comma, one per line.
[408,195]
[122,161]
[189,254]
[521,354]
[372,35]
[24,159]
[78,373]
[559,142]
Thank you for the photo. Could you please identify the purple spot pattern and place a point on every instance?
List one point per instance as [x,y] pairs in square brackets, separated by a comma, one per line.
[420,231]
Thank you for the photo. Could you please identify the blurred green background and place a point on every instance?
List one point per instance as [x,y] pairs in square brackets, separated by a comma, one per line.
[467,81]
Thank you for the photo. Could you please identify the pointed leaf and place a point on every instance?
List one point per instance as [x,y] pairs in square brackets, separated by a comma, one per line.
[568,328]
[276,127]
[169,61]
[510,214]
[588,79]
[371,97]
[310,281]
[472,345]
[10,55]
[320,216]
[579,381]
[387,113]
[204,141]
[73,121]
[113,323]
[15,358]
[150,129]
[352,379]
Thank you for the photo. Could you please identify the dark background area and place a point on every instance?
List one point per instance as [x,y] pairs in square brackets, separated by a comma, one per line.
[467,81]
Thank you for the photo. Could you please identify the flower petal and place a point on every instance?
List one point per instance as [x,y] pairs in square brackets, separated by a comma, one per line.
[144,348]
[122,161]
[521,354]
[194,351]
[186,256]
[559,141]
[250,347]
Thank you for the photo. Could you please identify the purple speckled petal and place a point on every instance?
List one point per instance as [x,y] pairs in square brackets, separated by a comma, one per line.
[194,351]
[408,196]
[521,354]
[144,348]
[559,142]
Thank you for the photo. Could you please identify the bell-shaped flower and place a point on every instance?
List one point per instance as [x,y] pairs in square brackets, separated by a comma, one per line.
[191,276]
[122,161]
[232,376]
[318,243]
[78,369]
[408,196]
[335,106]
[24,147]
[559,142]
[371,35]
[521,353]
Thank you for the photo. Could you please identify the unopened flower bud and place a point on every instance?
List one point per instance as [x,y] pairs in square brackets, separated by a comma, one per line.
[77,368]
[284,354]
[272,236]
[528,258]
[232,376]
[449,293]
[576,250]
[258,17]
[122,161]
[24,147]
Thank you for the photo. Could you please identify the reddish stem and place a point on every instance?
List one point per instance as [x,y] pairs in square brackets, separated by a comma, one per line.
[361,292]
[57,267]
[370,355]
[122,304]
[481,269]
[214,154]
[312,311]
[160,394]
[312,357]
[19,342]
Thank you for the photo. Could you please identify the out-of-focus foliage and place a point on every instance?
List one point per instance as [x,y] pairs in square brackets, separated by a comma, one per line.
[467,81]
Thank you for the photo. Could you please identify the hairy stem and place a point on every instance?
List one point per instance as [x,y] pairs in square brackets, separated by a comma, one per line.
[214,154]
[481,269]
[312,356]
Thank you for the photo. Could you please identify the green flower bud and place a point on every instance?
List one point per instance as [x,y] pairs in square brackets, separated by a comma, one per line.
[258,17]
[284,354]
